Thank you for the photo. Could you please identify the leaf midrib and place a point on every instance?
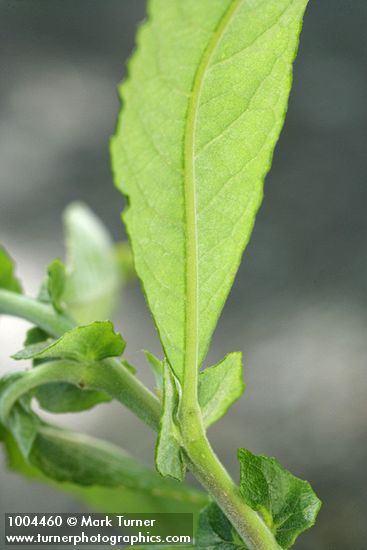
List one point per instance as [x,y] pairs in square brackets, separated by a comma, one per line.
[190,367]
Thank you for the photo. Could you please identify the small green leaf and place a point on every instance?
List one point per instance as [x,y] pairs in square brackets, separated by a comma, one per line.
[220,386]
[287,504]
[125,261]
[168,454]
[24,426]
[56,284]
[43,295]
[64,398]
[8,280]
[7,380]
[157,368]
[92,342]
[215,531]
[22,422]
[60,397]
[32,351]
[129,366]
[93,279]
[35,335]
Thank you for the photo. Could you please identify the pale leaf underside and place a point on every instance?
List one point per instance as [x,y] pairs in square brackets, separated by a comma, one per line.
[202,111]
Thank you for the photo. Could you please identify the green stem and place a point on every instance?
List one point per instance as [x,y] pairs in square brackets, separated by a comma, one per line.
[212,475]
[107,377]
[31,310]
[127,389]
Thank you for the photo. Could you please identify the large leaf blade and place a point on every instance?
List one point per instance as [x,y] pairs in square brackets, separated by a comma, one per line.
[203,109]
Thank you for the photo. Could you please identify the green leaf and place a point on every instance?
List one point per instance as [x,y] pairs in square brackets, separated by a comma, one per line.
[131,487]
[215,531]
[32,351]
[220,386]
[43,295]
[56,284]
[168,454]
[125,261]
[92,342]
[35,335]
[87,287]
[24,426]
[129,366]
[288,504]
[68,456]
[157,368]
[22,422]
[202,111]
[8,280]
[93,279]
[60,397]
[64,398]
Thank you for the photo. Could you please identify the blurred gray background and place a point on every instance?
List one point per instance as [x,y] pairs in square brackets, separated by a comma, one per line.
[298,309]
